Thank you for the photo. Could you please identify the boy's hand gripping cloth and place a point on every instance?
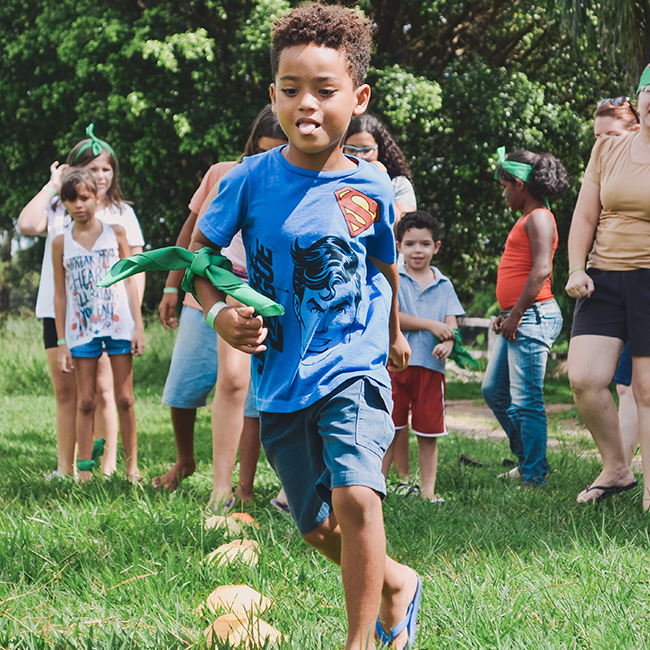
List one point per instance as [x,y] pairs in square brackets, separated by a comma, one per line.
[205,263]
[459,355]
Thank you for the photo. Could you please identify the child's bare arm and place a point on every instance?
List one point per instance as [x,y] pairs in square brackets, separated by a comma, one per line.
[137,342]
[443,349]
[64,358]
[399,352]
[235,325]
[413,323]
[167,307]
[32,220]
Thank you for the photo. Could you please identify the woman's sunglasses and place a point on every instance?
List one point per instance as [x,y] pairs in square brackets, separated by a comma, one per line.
[618,101]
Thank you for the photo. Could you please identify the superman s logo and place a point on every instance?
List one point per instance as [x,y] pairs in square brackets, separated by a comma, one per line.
[359,210]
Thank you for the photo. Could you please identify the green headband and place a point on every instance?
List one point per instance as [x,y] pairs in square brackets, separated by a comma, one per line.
[644,81]
[517,169]
[95,144]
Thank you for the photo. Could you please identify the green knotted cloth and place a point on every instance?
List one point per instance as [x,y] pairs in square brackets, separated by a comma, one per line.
[517,169]
[459,355]
[98,451]
[644,81]
[204,263]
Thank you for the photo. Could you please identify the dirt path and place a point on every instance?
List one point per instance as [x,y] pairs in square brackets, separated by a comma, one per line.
[479,422]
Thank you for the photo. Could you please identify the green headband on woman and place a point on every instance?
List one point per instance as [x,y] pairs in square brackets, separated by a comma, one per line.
[95,144]
[517,169]
[644,81]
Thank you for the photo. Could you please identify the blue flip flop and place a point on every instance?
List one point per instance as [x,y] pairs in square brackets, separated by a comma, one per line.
[408,622]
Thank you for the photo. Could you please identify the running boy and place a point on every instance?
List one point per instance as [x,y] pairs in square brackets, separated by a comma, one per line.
[317,227]
[428,308]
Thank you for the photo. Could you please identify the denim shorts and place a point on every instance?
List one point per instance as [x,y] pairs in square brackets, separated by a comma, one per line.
[250,410]
[338,441]
[100,344]
[193,371]
[623,374]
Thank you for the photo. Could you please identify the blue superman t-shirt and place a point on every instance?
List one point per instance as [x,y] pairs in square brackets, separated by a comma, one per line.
[308,236]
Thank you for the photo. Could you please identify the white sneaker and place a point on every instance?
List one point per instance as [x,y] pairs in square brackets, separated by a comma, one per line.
[515,472]
[54,474]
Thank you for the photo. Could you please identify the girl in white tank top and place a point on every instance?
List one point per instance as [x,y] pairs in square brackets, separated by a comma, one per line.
[92,311]
[95,319]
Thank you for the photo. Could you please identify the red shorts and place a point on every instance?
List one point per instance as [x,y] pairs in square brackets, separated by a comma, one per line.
[423,391]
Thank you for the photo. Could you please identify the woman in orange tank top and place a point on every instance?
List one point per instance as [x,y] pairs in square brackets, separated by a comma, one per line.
[531,319]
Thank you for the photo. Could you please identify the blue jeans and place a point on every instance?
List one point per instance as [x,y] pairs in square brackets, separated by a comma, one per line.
[513,387]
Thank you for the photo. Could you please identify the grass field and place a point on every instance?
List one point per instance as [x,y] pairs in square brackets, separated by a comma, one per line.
[110,565]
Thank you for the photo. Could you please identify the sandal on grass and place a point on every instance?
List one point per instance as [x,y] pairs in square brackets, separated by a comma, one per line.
[408,623]
[407,489]
[282,507]
[609,490]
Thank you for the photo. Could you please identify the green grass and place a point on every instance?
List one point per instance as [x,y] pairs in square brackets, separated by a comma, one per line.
[110,565]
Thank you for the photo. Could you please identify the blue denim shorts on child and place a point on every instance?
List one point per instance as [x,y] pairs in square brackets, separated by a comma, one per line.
[338,441]
[100,344]
[193,371]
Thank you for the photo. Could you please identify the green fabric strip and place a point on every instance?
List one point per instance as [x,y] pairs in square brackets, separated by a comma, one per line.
[644,81]
[90,464]
[97,145]
[204,263]
[459,355]
[517,169]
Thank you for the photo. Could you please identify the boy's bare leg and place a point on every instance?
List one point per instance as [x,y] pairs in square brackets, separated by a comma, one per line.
[233,378]
[401,453]
[249,453]
[86,377]
[428,459]
[65,393]
[388,456]
[106,415]
[122,365]
[353,537]
[183,421]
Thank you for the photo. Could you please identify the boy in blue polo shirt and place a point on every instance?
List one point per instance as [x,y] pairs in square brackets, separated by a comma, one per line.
[317,227]
[428,308]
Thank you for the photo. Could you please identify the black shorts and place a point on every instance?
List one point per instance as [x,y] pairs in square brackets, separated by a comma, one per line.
[49,333]
[619,307]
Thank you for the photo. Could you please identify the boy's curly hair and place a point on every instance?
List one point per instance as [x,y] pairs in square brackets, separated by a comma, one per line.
[329,26]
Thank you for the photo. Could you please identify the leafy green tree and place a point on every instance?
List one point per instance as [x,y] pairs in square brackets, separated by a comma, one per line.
[175,84]
[621,27]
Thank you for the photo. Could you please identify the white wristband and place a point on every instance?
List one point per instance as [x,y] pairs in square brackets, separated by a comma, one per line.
[214,310]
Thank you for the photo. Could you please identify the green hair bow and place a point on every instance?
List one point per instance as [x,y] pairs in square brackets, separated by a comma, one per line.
[95,144]
[517,169]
